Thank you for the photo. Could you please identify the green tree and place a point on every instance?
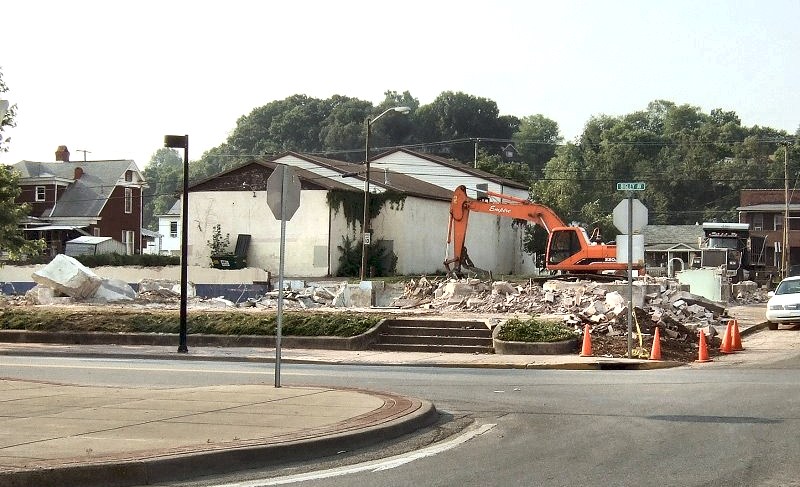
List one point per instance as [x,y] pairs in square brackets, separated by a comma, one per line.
[536,141]
[12,239]
[164,176]
[494,163]
[459,117]
[8,118]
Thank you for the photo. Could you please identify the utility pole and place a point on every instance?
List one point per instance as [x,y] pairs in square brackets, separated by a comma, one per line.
[786,250]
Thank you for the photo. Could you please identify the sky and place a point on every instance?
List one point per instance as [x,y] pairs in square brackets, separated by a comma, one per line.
[113,78]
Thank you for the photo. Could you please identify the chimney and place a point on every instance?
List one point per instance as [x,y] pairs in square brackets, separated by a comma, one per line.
[78,172]
[62,154]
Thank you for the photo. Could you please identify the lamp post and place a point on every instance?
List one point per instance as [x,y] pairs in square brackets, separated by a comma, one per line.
[365,229]
[175,142]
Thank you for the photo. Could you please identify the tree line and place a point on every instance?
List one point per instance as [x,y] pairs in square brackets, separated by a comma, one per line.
[694,163]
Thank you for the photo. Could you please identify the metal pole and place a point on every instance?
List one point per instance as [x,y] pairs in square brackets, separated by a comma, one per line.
[280,279]
[364,246]
[182,348]
[785,244]
[630,274]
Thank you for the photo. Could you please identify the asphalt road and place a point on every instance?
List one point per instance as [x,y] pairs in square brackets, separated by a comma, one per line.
[736,425]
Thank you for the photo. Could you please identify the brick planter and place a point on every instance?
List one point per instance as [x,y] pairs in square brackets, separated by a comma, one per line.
[564,347]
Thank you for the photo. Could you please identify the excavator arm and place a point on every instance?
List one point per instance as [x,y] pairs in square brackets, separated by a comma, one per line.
[568,248]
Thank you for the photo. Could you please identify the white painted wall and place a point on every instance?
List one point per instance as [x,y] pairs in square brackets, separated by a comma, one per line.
[238,212]
[443,176]
[170,245]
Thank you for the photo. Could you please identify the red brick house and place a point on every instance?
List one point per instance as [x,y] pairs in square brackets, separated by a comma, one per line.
[764,210]
[73,198]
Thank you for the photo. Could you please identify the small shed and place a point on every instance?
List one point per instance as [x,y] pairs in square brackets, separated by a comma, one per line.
[93,246]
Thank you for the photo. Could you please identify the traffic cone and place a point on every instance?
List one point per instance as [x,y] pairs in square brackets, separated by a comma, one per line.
[726,345]
[703,354]
[586,350]
[736,339]
[655,353]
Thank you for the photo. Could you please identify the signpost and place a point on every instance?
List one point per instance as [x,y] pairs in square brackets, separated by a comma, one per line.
[283,198]
[629,218]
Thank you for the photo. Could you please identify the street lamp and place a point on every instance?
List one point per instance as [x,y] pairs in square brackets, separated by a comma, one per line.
[175,142]
[365,228]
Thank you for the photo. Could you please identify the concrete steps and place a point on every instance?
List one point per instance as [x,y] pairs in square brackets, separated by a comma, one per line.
[417,335]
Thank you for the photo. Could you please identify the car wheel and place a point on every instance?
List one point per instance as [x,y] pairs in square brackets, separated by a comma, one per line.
[773,326]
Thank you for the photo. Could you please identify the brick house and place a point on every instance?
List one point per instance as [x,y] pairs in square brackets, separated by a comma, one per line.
[69,199]
[764,210]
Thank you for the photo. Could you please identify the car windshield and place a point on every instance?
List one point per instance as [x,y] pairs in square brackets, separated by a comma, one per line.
[788,287]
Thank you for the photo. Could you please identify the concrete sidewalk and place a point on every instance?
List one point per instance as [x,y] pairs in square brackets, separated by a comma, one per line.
[57,435]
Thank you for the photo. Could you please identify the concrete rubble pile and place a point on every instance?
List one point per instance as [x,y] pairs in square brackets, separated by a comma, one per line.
[603,306]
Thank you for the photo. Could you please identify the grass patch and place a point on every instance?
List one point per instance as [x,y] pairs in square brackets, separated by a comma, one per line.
[200,322]
[534,330]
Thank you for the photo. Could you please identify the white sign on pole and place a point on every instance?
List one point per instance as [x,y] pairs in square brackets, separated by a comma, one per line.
[639,215]
[637,250]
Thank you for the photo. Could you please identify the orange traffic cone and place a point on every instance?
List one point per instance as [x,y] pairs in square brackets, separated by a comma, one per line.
[736,337]
[726,346]
[586,351]
[655,353]
[703,354]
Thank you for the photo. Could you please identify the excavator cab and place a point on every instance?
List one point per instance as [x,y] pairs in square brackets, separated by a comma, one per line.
[563,244]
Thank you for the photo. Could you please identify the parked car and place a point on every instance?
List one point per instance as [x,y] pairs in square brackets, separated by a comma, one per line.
[784,303]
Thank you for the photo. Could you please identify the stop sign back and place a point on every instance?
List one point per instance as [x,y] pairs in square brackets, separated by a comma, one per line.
[283,192]
[638,210]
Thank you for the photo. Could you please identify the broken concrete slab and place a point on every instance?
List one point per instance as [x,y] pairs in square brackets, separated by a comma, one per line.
[112,290]
[68,276]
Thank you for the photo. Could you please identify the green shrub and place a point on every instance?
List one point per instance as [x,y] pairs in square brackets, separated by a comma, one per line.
[534,330]
[142,260]
[198,322]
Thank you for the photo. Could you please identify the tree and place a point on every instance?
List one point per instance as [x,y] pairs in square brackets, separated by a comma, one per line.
[459,117]
[536,141]
[164,176]
[12,239]
[8,118]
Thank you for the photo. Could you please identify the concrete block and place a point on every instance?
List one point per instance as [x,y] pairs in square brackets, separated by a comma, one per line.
[68,276]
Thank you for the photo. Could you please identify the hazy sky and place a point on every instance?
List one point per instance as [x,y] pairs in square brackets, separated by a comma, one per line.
[114,77]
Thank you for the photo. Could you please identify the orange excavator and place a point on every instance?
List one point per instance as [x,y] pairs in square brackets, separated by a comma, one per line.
[569,249]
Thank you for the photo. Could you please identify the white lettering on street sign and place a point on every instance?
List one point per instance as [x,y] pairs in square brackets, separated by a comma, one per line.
[630,186]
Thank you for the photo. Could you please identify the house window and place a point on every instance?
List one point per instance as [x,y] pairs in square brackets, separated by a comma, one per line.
[758,222]
[128,200]
[96,232]
[173,229]
[129,175]
[40,193]
[777,222]
[128,239]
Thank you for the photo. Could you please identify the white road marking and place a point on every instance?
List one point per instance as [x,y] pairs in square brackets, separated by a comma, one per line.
[373,466]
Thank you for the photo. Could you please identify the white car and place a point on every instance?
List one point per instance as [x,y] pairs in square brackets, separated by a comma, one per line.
[784,304]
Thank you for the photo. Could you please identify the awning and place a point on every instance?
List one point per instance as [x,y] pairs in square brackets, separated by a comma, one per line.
[55,227]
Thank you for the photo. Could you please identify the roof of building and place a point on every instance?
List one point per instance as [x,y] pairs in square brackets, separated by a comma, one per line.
[460,166]
[389,180]
[85,196]
[769,207]
[665,237]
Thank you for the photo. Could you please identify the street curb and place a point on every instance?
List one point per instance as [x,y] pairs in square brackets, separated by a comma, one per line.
[198,464]
[610,364]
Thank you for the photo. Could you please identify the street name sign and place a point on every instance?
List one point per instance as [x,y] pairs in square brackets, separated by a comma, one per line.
[630,186]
